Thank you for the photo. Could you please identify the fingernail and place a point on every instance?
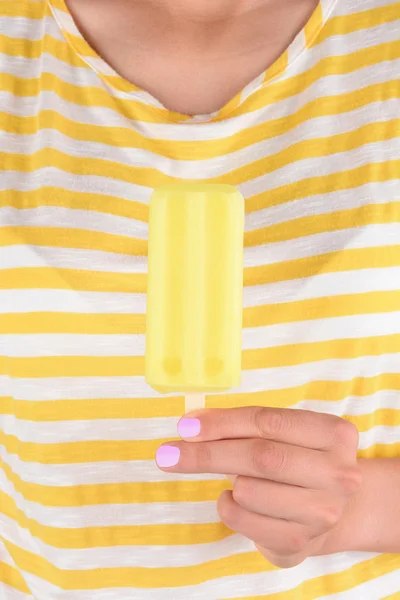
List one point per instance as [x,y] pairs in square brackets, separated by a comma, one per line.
[167,456]
[188,428]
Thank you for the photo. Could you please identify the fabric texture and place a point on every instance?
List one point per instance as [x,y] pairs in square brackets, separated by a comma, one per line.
[313,144]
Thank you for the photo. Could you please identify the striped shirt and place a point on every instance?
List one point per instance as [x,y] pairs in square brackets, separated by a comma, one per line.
[313,144]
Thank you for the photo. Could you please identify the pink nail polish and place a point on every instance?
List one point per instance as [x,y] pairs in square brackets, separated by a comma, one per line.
[167,456]
[188,427]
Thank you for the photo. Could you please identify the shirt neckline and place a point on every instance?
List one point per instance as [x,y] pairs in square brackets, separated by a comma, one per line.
[303,41]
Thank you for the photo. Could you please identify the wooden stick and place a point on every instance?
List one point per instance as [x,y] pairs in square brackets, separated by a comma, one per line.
[196,401]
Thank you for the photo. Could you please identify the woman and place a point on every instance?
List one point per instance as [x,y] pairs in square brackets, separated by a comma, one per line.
[295,102]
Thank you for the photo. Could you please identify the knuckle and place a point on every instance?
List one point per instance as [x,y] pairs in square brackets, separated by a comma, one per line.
[349,478]
[268,456]
[297,542]
[226,509]
[269,422]
[202,456]
[346,433]
[242,489]
[329,515]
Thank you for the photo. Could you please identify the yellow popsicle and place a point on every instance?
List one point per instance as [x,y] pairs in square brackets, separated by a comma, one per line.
[195,289]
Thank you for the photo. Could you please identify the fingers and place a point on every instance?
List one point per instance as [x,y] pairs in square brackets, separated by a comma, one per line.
[279,536]
[303,428]
[313,508]
[258,458]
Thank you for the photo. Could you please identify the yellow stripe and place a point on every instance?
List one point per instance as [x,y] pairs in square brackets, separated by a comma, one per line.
[310,186]
[261,358]
[137,577]
[367,214]
[173,406]
[204,149]
[395,596]
[335,583]
[93,409]
[313,308]
[86,280]
[380,451]
[289,230]
[73,366]
[346,179]
[11,576]
[33,49]
[118,450]
[147,578]
[83,96]
[295,354]
[257,316]
[70,453]
[147,492]
[54,196]
[332,65]
[72,279]
[278,67]
[59,4]
[373,17]
[28,10]
[95,96]
[63,237]
[72,323]
[117,493]
[314,148]
[113,536]
[331,262]
[314,25]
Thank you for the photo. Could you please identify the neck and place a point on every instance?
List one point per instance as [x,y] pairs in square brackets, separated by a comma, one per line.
[206,12]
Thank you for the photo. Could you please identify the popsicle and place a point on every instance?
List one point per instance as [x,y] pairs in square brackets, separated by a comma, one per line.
[194,290]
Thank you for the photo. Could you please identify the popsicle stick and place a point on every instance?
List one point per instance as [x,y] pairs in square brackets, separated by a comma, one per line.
[196,401]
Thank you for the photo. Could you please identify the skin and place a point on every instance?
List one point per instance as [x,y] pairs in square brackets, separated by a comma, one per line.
[299,489]
[209,49]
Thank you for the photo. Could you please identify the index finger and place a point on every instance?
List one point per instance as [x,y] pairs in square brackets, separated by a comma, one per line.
[304,428]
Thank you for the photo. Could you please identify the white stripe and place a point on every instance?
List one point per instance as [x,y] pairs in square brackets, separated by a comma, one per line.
[234,587]
[214,167]
[97,473]
[325,86]
[88,184]
[27,29]
[272,336]
[381,434]
[76,388]
[323,165]
[99,115]
[376,588]
[11,593]
[321,286]
[73,218]
[354,405]
[175,556]
[358,237]
[71,301]
[383,193]
[131,555]
[114,515]
[20,256]
[353,6]
[369,236]
[62,432]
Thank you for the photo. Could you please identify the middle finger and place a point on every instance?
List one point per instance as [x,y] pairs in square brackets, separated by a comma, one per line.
[255,458]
